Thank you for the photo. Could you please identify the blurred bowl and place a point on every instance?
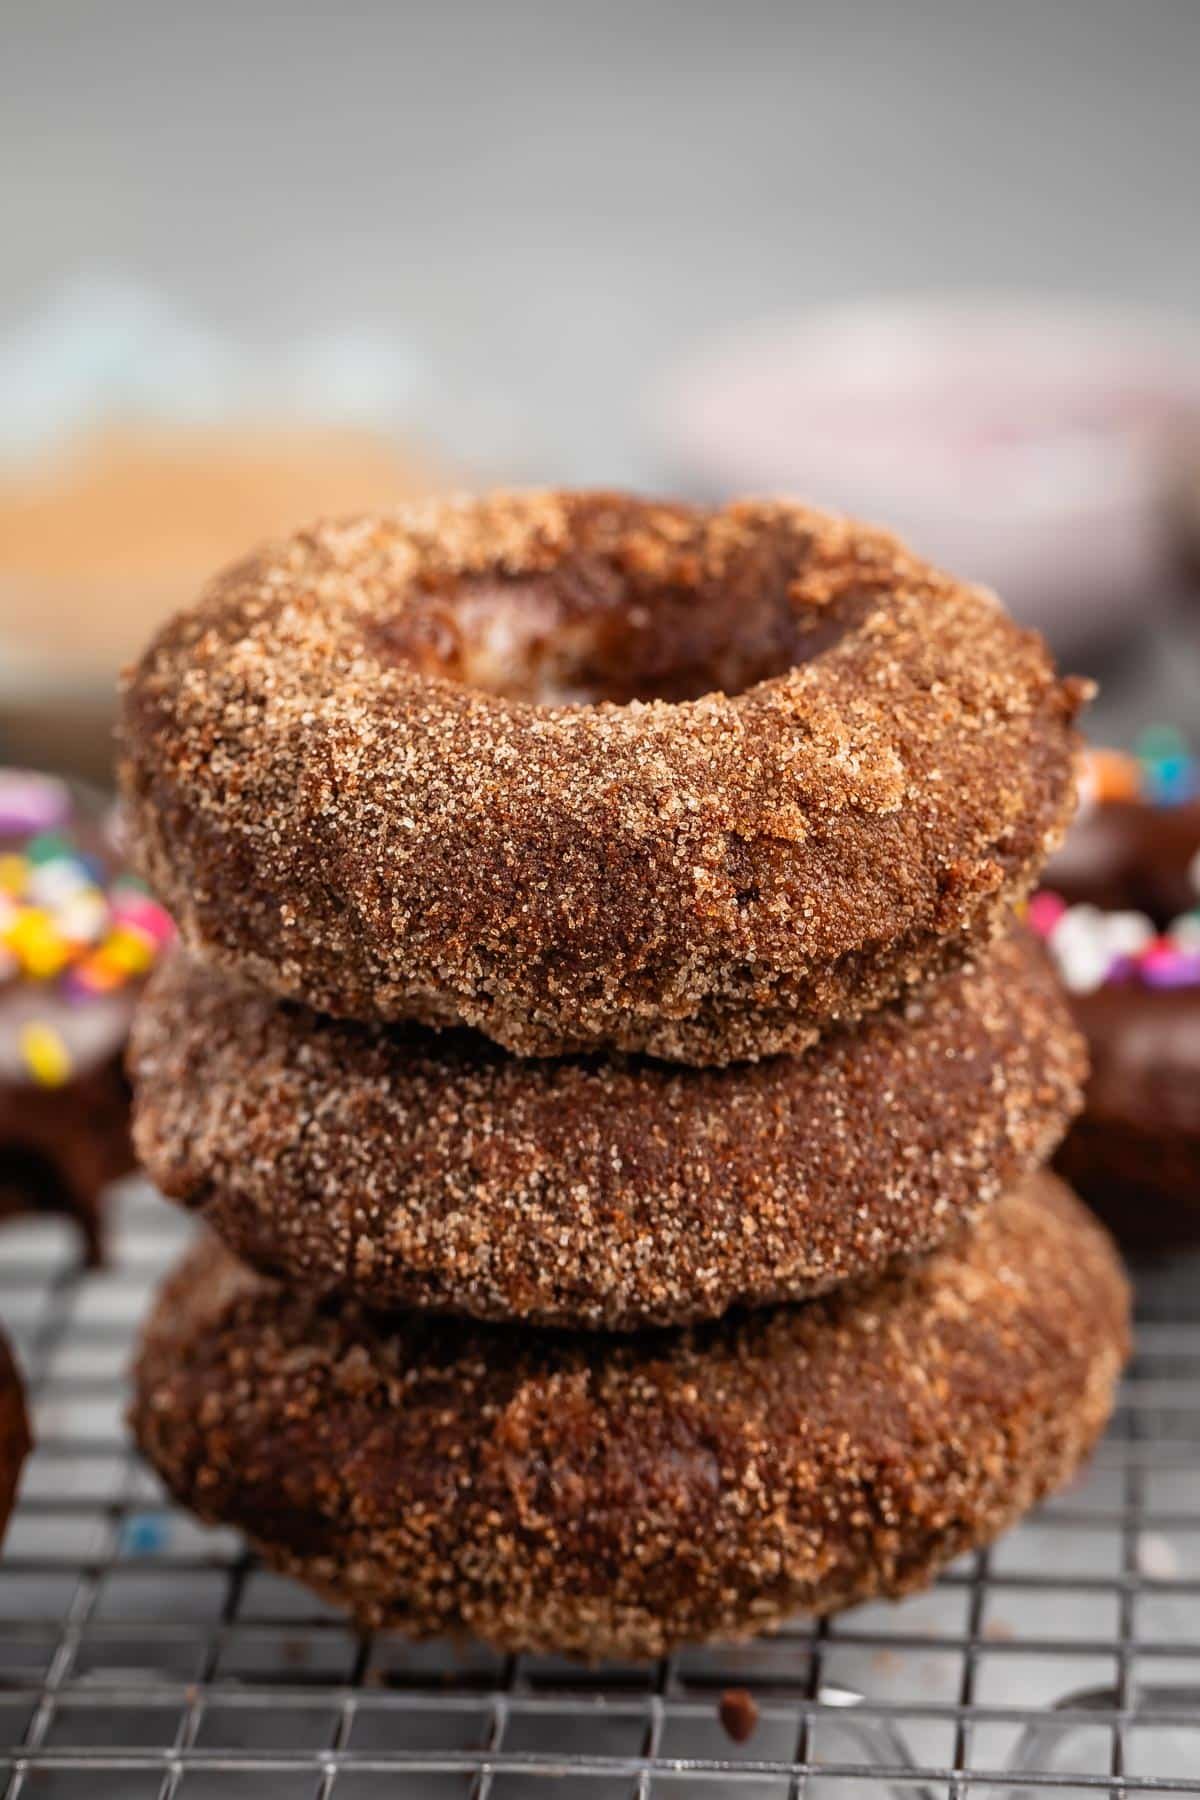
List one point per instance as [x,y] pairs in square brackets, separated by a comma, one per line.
[140,451]
[102,539]
[1026,445]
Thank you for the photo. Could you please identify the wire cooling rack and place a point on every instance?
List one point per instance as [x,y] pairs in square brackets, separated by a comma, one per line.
[141,1655]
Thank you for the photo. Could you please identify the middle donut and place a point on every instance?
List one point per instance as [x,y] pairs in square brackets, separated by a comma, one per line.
[407,1168]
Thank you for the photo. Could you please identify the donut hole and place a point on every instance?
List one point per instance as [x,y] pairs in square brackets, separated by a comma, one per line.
[579,637]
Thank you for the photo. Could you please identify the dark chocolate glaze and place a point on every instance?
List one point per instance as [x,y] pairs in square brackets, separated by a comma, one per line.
[1135,1154]
[15,1441]
[1127,854]
[60,1147]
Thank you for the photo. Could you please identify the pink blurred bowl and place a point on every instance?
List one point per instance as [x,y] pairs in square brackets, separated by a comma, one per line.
[1026,445]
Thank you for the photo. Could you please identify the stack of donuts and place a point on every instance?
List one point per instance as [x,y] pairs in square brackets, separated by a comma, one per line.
[602,1046]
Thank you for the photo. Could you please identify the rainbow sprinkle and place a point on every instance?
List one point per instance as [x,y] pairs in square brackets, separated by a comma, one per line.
[64,924]
[44,1054]
[1161,771]
[31,803]
[1093,948]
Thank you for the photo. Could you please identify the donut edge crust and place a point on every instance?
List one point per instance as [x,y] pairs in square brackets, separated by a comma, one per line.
[609,1498]
[708,882]
[408,1169]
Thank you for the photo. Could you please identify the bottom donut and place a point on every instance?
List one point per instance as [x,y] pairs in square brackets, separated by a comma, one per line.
[618,1496]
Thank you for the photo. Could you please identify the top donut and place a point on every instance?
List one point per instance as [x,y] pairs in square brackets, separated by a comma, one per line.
[582,770]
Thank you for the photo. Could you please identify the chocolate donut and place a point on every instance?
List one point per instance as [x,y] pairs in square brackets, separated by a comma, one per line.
[15,1442]
[408,1168]
[585,771]
[77,936]
[610,1496]
[62,1145]
[1135,1153]
[1122,918]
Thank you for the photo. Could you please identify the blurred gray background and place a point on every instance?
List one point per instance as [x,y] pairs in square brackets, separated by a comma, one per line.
[550,199]
[546,204]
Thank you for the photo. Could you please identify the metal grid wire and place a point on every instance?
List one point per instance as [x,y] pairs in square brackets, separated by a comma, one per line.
[141,1655]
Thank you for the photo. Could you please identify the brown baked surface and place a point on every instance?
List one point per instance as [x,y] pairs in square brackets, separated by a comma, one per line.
[585,771]
[15,1442]
[417,1169]
[616,1496]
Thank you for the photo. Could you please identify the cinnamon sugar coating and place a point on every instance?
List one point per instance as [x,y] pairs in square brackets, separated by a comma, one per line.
[15,1442]
[585,771]
[411,1169]
[618,1496]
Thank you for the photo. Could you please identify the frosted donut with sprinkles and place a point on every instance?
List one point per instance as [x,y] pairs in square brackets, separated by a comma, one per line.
[584,771]
[78,936]
[1121,918]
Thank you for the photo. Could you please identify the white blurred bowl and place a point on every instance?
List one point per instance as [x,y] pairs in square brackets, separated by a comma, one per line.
[1026,445]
